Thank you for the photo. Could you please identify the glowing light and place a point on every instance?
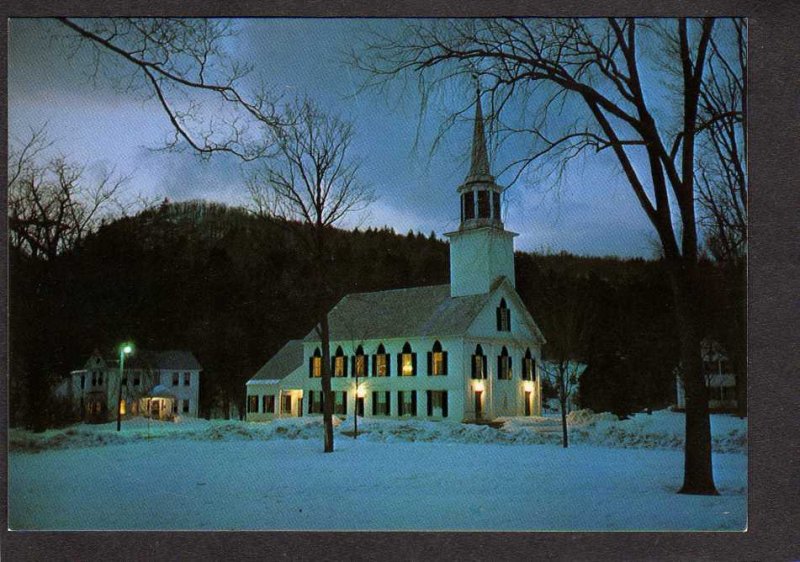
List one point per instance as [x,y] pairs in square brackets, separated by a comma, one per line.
[127,349]
[479,386]
[361,392]
[408,367]
[122,407]
[528,386]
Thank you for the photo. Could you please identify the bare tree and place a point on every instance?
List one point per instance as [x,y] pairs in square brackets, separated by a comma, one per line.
[563,375]
[183,64]
[567,317]
[721,171]
[596,85]
[51,205]
[313,181]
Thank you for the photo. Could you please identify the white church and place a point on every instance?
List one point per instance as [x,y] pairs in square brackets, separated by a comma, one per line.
[467,351]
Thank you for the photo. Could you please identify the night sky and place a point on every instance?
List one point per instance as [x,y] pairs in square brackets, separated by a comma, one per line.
[591,212]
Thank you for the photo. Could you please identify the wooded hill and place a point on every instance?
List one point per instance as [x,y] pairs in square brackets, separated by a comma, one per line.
[233,288]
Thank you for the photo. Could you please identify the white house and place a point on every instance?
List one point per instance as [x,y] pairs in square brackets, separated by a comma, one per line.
[158,384]
[720,379]
[465,351]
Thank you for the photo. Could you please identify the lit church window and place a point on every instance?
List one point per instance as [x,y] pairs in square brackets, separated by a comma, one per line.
[315,365]
[380,365]
[437,360]
[407,362]
[339,363]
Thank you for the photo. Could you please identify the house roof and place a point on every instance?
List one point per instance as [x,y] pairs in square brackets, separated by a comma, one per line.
[158,360]
[288,358]
[413,312]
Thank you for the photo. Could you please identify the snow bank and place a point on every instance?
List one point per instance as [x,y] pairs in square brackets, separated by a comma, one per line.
[661,430]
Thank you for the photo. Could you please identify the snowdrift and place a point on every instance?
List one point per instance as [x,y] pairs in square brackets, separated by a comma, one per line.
[660,430]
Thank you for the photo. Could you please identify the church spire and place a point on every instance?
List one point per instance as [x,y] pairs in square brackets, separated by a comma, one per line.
[479,165]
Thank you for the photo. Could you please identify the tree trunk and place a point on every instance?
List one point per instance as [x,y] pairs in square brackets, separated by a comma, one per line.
[698,477]
[564,437]
[327,405]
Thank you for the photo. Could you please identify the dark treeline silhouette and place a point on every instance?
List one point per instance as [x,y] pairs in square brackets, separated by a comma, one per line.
[232,288]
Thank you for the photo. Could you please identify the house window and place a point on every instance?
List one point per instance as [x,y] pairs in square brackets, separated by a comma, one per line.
[175,406]
[360,363]
[478,363]
[185,406]
[496,204]
[381,403]
[175,377]
[94,378]
[380,363]
[83,382]
[407,402]
[339,363]
[315,364]
[100,379]
[340,403]
[136,379]
[124,379]
[314,402]
[469,205]
[437,360]
[504,365]
[268,403]
[252,404]
[503,317]
[483,204]
[187,378]
[528,367]
[286,404]
[437,403]
[407,362]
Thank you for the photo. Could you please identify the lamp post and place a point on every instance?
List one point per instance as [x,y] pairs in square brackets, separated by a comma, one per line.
[360,392]
[124,350]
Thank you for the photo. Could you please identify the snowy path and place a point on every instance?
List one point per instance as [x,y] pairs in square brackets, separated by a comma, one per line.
[290,484]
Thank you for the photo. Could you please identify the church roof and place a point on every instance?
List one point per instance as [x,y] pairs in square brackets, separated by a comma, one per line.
[281,364]
[402,313]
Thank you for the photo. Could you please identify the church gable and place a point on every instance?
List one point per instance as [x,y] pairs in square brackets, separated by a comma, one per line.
[504,315]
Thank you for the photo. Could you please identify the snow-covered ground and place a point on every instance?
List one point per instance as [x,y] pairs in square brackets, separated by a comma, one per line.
[617,475]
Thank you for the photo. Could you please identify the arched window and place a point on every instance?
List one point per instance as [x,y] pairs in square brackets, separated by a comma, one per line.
[339,363]
[407,362]
[359,363]
[504,365]
[315,364]
[380,363]
[496,205]
[503,317]
[478,363]
[528,371]
[437,360]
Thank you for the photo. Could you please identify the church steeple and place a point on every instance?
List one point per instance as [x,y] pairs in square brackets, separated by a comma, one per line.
[481,250]
[479,164]
[480,195]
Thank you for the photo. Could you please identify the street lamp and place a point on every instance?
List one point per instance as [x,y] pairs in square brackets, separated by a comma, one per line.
[360,393]
[124,349]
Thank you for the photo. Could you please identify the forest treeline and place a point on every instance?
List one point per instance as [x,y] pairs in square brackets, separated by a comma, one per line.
[233,287]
